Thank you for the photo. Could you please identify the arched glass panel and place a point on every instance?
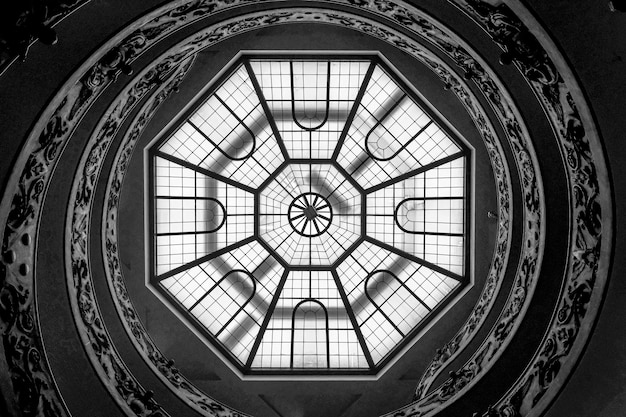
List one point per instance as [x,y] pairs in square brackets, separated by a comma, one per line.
[309,343]
[229,134]
[391,135]
[431,216]
[310,100]
[310,93]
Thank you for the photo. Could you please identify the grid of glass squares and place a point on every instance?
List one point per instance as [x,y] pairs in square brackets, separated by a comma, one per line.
[229,134]
[424,215]
[310,327]
[390,135]
[294,240]
[310,101]
[309,215]
[195,215]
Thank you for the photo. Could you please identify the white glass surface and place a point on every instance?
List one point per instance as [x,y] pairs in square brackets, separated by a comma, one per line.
[309,215]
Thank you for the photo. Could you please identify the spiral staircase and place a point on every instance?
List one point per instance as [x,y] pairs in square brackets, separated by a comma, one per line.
[534,89]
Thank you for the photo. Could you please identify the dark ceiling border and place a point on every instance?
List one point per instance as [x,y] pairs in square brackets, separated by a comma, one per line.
[590,262]
[22,23]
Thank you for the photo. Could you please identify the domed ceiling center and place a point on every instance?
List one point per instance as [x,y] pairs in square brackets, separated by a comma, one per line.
[310,214]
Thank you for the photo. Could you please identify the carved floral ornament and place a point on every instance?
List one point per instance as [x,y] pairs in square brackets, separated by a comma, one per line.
[546,72]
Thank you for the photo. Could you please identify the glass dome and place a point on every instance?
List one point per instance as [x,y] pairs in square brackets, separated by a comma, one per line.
[309,214]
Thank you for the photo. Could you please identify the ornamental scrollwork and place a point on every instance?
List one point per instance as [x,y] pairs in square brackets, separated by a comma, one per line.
[164,76]
[585,169]
[519,44]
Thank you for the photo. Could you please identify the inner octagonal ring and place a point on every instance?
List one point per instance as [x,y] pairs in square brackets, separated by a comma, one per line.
[416,251]
[310,214]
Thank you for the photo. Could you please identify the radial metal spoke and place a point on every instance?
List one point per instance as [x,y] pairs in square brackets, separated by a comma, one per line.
[355,106]
[205,258]
[266,319]
[205,172]
[415,172]
[266,109]
[298,216]
[353,321]
[316,226]
[414,258]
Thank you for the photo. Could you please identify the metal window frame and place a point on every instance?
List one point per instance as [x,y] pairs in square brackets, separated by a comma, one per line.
[244,60]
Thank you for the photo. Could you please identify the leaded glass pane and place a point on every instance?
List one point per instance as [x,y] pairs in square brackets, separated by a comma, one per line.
[309,214]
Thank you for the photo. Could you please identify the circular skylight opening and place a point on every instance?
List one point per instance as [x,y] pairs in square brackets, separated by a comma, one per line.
[309,214]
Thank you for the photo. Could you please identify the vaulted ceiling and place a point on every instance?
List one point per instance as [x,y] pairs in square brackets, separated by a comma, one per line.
[534,91]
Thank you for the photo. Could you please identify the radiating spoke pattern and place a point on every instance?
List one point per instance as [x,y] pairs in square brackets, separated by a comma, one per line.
[308,214]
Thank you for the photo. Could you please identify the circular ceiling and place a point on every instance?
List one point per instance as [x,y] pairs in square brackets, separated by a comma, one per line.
[313,214]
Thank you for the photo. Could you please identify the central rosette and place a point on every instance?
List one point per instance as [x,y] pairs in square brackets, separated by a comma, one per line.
[310,214]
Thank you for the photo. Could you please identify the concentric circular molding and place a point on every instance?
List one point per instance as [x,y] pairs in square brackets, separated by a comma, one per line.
[463,93]
[312,210]
[588,260]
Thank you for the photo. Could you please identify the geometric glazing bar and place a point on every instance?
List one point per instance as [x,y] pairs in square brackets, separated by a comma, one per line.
[230,295]
[229,134]
[390,295]
[390,135]
[310,100]
[424,215]
[195,215]
[310,318]
[266,109]
[266,319]
[355,325]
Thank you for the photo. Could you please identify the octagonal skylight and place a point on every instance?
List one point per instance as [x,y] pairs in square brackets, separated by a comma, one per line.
[309,215]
